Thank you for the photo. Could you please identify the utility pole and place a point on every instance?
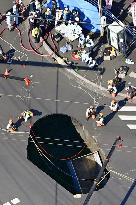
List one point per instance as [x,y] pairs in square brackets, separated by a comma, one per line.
[100,15]
[101,171]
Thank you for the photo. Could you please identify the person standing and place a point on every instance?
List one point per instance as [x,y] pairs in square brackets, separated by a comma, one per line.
[114,106]
[26,115]
[100,121]
[81,40]
[10,20]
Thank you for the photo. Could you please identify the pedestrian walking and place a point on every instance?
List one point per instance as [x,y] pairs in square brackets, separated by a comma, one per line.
[114,106]
[90,112]
[131,92]
[100,121]
[11,126]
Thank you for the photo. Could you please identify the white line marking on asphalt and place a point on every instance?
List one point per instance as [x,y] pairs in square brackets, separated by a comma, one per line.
[15,201]
[127,117]
[38,98]
[122,176]
[128,108]
[10,95]
[47,99]
[67,101]
[131,126]
[76,102]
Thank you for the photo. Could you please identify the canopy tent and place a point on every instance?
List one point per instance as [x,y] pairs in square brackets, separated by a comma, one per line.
[89,14]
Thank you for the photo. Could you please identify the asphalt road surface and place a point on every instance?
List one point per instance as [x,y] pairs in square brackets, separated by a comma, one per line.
[52,91]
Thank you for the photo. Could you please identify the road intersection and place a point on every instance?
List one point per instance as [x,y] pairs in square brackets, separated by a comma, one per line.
[51,91]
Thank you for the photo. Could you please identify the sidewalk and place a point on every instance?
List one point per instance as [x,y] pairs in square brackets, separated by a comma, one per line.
[91,78]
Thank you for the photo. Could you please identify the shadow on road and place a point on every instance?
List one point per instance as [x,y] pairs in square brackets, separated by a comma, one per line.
[18,123]
[36,112]
[128,193]
[13,77]
[99,109]
[109,117]
[55,65]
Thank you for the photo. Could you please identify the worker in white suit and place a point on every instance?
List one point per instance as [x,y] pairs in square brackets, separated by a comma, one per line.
[9,20]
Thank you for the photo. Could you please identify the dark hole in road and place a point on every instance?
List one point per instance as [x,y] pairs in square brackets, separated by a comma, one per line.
[61,147]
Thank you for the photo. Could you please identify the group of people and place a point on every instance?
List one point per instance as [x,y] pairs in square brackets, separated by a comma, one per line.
[39,21]
[12,17]
[11,126]
[91,113]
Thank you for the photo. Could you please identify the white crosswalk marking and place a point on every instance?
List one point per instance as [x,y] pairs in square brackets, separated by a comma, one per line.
[128,108]
[7,203]
[15,201]
[132,126]
[129,117]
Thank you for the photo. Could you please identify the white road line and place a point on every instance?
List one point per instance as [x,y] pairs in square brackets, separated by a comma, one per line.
[47,99]
[127,117]
[132,126]
[128,108]
[15,201]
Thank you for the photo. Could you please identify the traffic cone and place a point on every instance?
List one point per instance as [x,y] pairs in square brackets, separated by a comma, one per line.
[27,81]
[30,125]
[6,74]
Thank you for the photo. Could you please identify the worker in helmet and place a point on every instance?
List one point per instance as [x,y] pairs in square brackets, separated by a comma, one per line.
[114,105]
[26,115]
[36,34]
[100,121]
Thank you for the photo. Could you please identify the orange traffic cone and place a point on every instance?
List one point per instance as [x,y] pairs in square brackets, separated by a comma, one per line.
[27,81]
[30,125]
[6,74]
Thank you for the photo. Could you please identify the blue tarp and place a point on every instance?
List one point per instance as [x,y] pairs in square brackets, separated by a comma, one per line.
[88,13]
